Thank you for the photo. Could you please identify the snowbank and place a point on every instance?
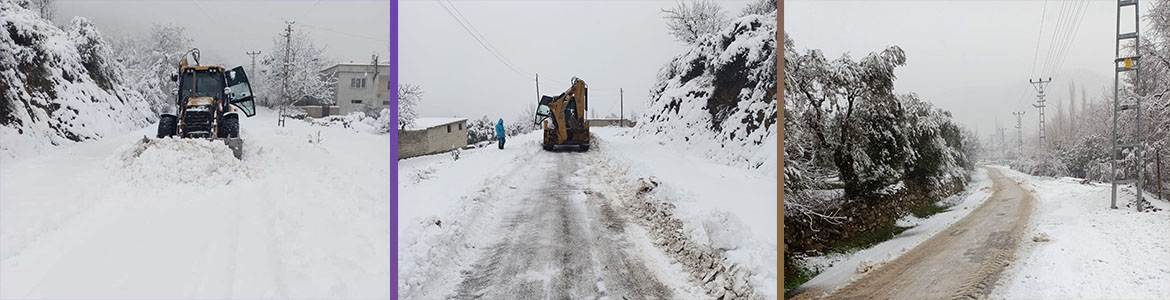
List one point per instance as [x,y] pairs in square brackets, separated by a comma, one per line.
[357,121]
[718,98]
[1079,248]
[59,87]
[721,207]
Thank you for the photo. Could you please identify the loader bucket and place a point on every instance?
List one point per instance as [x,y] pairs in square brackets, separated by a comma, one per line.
[237,146]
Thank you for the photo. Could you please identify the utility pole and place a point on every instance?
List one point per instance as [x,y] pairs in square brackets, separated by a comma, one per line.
[1129,63]
[537,99]
[253,55]
[622,107]
[1019,131]
[284,86]
[1040,85]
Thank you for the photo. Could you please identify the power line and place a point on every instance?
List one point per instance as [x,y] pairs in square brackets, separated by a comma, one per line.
[1036,53]
[1072,37]
[485,40]
[482,43]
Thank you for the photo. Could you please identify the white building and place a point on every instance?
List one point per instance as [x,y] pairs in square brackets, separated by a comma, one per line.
[360,86]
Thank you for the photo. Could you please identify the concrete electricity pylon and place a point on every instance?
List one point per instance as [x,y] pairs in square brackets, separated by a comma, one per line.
[1019,131]
[1040,85]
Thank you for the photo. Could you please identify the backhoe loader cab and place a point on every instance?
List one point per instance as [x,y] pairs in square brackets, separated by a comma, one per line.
[207,101]
[563,118]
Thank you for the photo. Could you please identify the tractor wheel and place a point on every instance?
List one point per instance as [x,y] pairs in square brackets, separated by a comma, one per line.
[229,127]
[167,125]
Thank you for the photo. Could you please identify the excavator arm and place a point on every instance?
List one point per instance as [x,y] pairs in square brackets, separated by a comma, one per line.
[567,111]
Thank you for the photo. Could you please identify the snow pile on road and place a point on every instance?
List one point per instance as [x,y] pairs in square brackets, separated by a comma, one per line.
[202,162]
[59,87]
[1079,248]
[718,221]
[719,97]
[185,219]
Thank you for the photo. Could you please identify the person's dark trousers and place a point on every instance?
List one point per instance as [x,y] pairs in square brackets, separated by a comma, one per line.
[501,143]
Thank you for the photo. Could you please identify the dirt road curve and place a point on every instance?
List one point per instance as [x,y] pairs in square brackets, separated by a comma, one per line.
[961,262]
[562,243]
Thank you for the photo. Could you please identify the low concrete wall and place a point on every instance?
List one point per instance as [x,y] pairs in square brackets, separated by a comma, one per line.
[319,111]
[433,140]
[610,123]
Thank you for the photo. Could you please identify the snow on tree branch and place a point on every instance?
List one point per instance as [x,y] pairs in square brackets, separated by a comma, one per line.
[689,23]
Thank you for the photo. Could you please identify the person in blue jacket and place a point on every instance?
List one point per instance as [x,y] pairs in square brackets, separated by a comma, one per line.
[500,133]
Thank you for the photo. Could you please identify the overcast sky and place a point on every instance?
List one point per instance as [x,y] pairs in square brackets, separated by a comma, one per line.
[973,58]
[608,44]
[224,30]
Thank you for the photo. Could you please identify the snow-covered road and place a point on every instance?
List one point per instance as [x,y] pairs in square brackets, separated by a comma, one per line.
[185,219]
[963,261]
[561,241]
[523,223]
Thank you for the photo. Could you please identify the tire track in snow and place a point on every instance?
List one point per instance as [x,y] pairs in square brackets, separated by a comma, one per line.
[551,250]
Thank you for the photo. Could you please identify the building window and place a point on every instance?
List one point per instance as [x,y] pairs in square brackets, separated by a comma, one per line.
[386,103]
[355,101]
[388,84]
[448,128]
[460,126]
[357,83]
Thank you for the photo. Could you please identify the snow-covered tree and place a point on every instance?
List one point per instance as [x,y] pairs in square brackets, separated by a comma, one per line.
[46,8]
[305,83]
[689,23]
[94,53]
[150,59]
[759,7]
[409,96]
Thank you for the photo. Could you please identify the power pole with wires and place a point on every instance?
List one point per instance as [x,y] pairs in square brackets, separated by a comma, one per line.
[537,99]
[253,55]
[1040,85]
[1019,131]
[622,106]
[284,86]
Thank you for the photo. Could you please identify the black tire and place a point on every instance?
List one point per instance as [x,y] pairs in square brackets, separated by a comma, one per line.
[547,147]
[168,125]
[229,126]
[583,148]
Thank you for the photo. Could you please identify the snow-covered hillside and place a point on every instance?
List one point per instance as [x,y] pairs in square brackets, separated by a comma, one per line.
[59,86]
[303,216]
[718,98]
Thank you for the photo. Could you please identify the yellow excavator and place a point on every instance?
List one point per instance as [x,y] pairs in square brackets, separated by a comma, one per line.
[566,112]
[204,103]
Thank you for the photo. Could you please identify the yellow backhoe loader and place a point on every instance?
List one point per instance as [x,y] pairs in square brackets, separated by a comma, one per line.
[204,103]
[563,118]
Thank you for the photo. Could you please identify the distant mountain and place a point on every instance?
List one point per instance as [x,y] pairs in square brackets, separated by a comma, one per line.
[718,98]
[59,86]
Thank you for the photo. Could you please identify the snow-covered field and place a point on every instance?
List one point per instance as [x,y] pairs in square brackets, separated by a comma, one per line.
[841,269]
[450,209]
[1079,248]
[185,219]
